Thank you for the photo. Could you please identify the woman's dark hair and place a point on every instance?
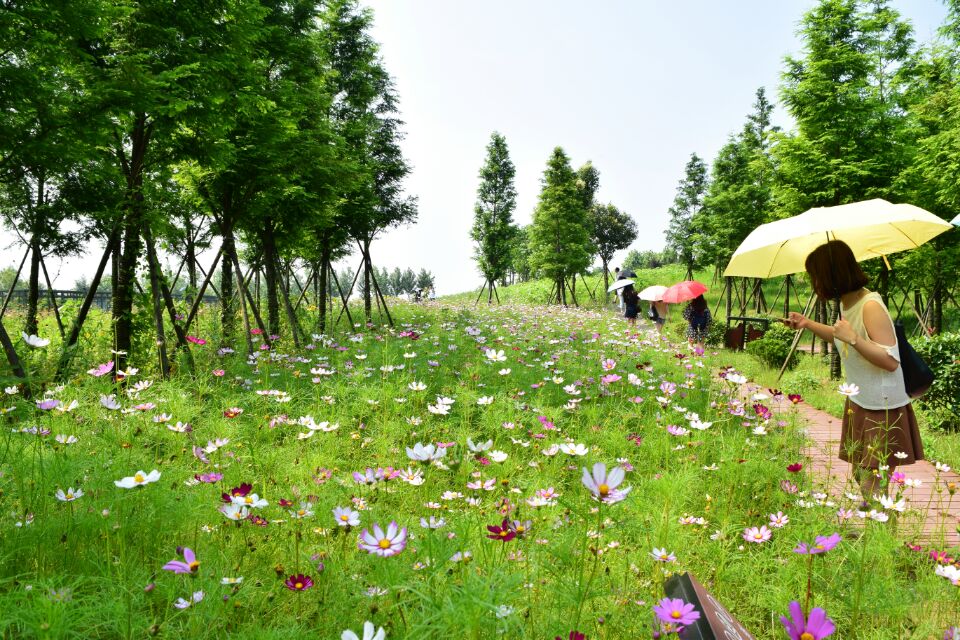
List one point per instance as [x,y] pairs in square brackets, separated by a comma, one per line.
[834,270]
[699,304]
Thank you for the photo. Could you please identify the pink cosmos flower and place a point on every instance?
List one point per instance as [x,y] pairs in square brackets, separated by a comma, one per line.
[384,543]
[821,545]
[189,565]
[101,369]
[757,535]
[815,627]
[676,611]
[196,340]
[604,485]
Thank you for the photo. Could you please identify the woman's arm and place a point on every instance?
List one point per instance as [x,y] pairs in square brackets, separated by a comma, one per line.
[879,334]
[799,321]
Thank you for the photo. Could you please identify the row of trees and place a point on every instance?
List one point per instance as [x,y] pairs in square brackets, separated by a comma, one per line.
[876,116]
[570,229]
[149,125]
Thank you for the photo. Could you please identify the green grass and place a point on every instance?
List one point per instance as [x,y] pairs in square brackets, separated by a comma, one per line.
[582,564]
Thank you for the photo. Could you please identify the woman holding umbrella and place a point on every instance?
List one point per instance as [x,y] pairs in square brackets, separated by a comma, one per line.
[697,315]
[879,429]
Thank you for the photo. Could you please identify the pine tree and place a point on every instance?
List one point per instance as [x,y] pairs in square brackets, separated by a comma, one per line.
[493,225]
[610,230]
[684,233]
[559,232]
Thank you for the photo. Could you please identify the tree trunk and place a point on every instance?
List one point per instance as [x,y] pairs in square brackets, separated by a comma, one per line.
[191,259]
[228,321]
[270,261]
[322,284]
[606,282]
[367,308]
[33,291]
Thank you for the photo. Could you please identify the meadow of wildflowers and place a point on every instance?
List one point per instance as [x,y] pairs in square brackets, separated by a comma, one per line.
[477,473]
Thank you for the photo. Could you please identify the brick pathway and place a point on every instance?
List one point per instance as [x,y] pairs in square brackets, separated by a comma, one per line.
[933,515]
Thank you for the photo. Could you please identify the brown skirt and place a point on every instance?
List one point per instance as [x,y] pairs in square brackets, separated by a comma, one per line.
[870,438]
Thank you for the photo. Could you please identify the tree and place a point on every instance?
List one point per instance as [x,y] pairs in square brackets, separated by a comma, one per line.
[611,230]
[493,213]
[683,234]
[559,233]
[425,280]
[846,95]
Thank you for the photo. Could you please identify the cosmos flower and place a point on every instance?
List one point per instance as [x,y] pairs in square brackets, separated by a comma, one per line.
[779,520]
[662,555]
[138,479]
[757,535]
[815,627]
[849,390]
[821,545]
[346,517]
[195,598]
[70,495]
[425,452]
[503,532]
[47,403]
[369,633]
[384,543]
[676,611]
[190,564]
[604,485]
[298,582]
[101,369]
[35,341]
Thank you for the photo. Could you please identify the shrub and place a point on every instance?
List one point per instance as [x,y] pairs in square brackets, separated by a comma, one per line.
[772,349]
[942,353]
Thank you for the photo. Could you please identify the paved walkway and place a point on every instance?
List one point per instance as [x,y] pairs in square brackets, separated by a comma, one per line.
[933,515]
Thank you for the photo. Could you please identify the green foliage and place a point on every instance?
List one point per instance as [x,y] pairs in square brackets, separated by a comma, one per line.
[493,227]
[684,234]
[559,233]
[942,353]
[774,346]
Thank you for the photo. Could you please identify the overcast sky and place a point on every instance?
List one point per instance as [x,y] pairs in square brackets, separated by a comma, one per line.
[635,86]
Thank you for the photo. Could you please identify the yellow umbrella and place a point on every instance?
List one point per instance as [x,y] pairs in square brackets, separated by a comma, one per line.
[872,228]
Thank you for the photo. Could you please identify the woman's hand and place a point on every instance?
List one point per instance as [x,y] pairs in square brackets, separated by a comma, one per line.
[796,320]
[843,332]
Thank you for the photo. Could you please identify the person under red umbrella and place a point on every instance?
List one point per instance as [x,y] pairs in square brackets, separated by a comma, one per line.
[697,315]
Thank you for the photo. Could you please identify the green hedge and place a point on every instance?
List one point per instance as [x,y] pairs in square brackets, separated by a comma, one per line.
[772,349]
[942,400]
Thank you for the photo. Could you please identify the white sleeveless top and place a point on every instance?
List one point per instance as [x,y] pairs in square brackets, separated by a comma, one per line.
[879,389]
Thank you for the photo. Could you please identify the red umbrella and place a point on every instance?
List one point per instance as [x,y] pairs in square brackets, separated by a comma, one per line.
[683,291]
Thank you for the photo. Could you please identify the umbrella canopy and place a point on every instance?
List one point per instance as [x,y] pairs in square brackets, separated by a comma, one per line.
[956,221]
[653,293]
[683,291]
[620,284]
[871,228]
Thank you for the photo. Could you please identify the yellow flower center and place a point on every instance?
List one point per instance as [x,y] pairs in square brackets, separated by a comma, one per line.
[604,489]
[298,585]
[521,528]
[384,544]
[194,566]
[138,478]
[675,615]
[503,533]
[344,517]
[806,635]
[301,512]
[248,500]
[69,496]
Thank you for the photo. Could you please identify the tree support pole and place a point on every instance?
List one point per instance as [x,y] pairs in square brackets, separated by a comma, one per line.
[13,285]
[11,353]
[342,298]
[53,298]
[796,338]
[349,293]
[206,281]
[376,285]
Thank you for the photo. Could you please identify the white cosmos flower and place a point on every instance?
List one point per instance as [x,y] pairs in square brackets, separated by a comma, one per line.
[67,408]
[11,391]
[233,511]
[425,452]
[485,400]
[849,389]
[699,425]
[304,436]
[736,378]
[445,401]
[504,372]
[369,633]
[251,501]
[439,409]
[416,386]
[942,468]
[236,580]
[496,356]
[552,450]
[478,447]
[183,604]
[574,449]
[65,439]
[109,402]
[498,456]
[35,341]
[70,495]
[950,572]
[138,479]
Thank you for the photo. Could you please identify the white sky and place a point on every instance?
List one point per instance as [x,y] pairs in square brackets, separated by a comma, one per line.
[635,86]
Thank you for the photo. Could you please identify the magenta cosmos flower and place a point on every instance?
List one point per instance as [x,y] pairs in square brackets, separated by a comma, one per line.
[384,543]
[816,627]
[298,582]
[604,485]
[821,545]
[505,532]
[189,565]
[676,611]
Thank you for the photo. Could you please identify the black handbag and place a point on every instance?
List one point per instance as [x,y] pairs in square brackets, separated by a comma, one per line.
[917,375]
